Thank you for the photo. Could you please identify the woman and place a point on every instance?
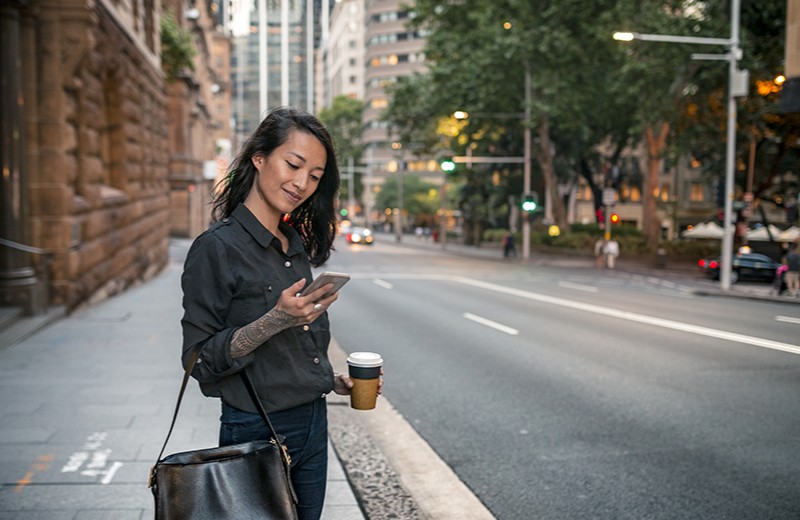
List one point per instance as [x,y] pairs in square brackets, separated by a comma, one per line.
[274,220]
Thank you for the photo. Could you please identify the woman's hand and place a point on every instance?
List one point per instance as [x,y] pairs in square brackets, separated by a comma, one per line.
[342,384]
[305,309]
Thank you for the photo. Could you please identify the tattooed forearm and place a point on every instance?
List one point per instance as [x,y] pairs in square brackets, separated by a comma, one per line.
[249,337]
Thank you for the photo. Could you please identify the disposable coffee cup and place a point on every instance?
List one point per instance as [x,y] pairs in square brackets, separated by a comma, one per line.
[365,371]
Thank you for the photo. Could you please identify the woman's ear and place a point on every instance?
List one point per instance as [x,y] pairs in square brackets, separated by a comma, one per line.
[257,160]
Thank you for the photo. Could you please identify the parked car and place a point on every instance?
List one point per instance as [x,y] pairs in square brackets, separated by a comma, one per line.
[359,235]
[745,266]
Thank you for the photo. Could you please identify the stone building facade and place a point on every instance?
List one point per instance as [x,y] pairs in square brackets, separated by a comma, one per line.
[199,125]
[84,139]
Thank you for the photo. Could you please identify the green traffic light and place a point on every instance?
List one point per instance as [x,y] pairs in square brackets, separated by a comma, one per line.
[529,205]
[448,166]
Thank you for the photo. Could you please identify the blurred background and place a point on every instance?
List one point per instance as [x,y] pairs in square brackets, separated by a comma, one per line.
[461,121]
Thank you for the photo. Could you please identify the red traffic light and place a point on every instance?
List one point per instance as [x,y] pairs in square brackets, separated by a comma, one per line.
[614,218]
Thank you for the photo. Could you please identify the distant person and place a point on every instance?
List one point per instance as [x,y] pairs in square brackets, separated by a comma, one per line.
[779,284]
[599,252]
[611,250]
[509,248]
[793,272]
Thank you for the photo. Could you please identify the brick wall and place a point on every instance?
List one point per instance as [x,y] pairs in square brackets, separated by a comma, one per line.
[97,146]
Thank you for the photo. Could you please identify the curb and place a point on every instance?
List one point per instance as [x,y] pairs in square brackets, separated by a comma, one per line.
[393,471]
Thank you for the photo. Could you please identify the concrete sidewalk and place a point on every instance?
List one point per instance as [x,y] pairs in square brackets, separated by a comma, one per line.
[86,405]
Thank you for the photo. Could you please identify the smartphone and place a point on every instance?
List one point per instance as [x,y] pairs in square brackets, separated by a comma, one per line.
[337,279]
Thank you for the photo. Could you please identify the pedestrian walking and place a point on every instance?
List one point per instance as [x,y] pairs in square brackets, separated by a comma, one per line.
[509,247]
[274,219]
[793,272]
[599,252]
[611,251]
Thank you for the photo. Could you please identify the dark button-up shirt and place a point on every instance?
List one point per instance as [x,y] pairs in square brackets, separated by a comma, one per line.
[234,273]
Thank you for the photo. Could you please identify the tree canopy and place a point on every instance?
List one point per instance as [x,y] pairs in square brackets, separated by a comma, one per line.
[590,96]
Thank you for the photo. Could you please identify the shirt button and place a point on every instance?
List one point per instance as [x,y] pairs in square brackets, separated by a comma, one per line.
[288,264]
[305,328]
[316,361]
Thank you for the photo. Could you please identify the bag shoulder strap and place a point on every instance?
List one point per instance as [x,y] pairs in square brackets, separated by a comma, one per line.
[253,395]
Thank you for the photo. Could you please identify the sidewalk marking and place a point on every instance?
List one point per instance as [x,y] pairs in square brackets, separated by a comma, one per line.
[787,319]
[578,287]
[632,316]
[93,459]
[492,324]
[382,283]
[42,464]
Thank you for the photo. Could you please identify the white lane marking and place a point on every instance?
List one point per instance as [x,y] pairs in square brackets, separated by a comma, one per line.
[382,283]
[492,324]
[787,319]
[109,476]
[632,316]
[577,287]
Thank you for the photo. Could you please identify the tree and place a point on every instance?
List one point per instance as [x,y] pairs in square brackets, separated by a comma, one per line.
[480,52]
[177,48]
[684,101]
[592,97]
[660,74]
[343,120]
[420,198]
[766,140]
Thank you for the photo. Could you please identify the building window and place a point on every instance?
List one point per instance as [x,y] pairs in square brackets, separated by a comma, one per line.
[697,192]
[664,195]
[379,103]
[584,192]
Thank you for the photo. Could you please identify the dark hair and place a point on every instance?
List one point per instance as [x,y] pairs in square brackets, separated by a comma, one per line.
[315,219]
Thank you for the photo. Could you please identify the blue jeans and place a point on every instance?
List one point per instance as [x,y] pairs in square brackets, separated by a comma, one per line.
[306,431]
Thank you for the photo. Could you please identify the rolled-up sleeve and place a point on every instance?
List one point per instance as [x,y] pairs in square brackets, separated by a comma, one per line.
[209,283]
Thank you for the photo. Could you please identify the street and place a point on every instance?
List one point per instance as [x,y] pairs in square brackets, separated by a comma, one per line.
[568,392]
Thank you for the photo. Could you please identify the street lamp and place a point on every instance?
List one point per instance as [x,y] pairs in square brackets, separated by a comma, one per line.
[525,159]
[398,226]
[737,86]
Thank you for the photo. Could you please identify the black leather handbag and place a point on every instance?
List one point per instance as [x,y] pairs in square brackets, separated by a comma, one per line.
[243,481]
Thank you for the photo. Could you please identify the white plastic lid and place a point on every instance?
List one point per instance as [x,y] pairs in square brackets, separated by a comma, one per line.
[365,359]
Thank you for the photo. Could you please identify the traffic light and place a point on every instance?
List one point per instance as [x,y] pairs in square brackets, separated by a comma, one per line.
[530,202]
[448,165]
[614,218]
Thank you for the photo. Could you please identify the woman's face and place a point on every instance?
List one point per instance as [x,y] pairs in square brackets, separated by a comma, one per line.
[289,175]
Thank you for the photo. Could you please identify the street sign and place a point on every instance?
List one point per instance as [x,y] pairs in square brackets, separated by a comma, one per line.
[609,195]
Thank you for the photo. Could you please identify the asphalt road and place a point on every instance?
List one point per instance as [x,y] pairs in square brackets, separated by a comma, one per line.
[568,392]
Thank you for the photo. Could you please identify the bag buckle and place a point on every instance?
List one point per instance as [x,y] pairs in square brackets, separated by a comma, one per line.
[285,451]
[152,480]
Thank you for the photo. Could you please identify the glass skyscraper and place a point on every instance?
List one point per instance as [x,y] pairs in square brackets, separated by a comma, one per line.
[273,57]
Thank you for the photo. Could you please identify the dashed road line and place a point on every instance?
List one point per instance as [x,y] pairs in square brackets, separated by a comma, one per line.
[491,324]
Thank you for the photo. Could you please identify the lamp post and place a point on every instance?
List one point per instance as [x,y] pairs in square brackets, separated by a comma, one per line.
[525,159]
[350,175]
[737,86]
[398,226]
